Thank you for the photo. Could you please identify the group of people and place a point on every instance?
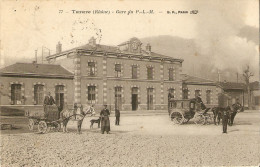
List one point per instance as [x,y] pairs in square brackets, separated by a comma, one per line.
[104,114]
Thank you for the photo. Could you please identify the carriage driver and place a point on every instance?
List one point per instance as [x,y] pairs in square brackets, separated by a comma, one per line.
[48,100]
[202,105]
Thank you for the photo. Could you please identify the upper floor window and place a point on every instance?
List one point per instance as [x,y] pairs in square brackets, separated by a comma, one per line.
[208,96]
[118,70]
[91,94]
[91,67]
[16,93]
[171,74]
[134,72]
[38,94]
[149,72]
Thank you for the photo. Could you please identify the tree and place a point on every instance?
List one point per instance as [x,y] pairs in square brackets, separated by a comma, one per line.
[247,75]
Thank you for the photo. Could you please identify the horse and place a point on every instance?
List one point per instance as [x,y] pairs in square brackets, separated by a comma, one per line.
[66,115]
[232,111]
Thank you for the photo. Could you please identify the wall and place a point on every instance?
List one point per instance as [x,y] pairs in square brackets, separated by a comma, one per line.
[28,86]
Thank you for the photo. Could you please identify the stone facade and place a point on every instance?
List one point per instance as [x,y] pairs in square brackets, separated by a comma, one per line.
[106,80]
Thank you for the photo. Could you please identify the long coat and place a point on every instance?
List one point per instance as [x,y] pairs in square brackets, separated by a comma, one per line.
[105,123]
[48,100]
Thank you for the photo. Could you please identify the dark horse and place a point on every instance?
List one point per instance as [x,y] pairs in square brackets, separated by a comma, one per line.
[232,111]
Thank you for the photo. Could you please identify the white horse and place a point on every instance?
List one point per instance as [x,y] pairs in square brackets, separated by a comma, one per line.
[66,115]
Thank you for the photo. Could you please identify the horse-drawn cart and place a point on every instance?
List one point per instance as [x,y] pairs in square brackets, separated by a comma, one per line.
[47,117]
[181,111]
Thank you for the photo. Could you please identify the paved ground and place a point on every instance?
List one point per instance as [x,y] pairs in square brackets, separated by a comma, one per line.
[138,141]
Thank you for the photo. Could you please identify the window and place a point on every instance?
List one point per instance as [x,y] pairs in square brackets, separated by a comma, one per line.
[118,98]
[118,70]
[38,94]
[197,93]
[208,96]
[134,72]
[91,66]
[171,74]
[171,93]
[149,72]
[185,93]
[16,96]
[91,94]
[59,95]
[150,98]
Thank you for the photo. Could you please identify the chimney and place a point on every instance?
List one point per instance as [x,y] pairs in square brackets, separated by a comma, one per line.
[58,47]
[148,47]
[35,56]
[92,41]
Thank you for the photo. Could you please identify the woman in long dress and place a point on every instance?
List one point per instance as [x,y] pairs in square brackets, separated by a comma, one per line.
[105,123]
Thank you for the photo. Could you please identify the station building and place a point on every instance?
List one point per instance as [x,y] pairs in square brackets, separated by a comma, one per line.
[124,76]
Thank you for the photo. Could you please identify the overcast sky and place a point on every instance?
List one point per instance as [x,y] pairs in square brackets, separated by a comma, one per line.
[27,26]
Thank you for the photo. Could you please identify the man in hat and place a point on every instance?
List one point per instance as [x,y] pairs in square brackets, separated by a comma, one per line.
[48,100]
[225,117]
[117,114]
[105,123]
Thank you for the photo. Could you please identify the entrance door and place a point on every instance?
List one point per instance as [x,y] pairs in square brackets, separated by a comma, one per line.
[134,99]
[150,98]
[118,98]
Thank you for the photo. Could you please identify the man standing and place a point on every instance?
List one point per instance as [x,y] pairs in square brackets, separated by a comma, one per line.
[48,100]
[225,120]
[105,123]
[117,114]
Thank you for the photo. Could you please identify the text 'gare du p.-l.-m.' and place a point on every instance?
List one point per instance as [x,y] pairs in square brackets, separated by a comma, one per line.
[124,76]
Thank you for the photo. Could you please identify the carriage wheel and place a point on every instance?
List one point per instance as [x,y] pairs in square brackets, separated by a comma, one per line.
[199,119]
[31,124]
[177,118]
[42,127]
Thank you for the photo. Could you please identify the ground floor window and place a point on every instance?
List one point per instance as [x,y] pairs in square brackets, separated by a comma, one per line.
[134,98]
[59,95]
[38,94]
[208,92]
[118,98]
[91,94]
[16,93]
[257,100]
[150,98]
[185,93]
[197,93]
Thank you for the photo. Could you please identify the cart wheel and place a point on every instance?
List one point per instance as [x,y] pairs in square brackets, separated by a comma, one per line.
[31,124]
[177,118]
[42,127]
[199,119]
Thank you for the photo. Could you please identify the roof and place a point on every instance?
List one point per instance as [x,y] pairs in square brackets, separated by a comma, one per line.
[115,50]
[254,86]
[232,85]
[196,80]
[34,69]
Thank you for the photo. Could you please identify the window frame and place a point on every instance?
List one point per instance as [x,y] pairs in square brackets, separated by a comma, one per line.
[150,73]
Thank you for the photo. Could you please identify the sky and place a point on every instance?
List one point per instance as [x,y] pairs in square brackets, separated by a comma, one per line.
[26,26]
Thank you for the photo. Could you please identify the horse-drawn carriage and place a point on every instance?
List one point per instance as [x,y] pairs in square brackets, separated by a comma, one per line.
[46,117]
[49,117]
[181,111]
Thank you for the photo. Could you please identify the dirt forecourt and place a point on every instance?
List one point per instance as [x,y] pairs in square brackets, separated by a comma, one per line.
[150,140]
